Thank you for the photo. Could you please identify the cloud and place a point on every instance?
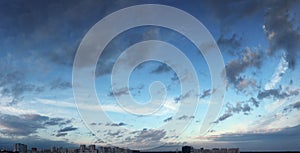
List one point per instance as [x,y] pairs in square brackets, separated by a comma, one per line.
[232,11]
[277,93]
[168,119]
[10,124]
[280,140]
[13,84]
[146,138]
[114,134]
[229,44]
[207,93]
[119,92]
[99,141]
[254,101]
[243,106]
[296,105]
[244,84]
[124,91]
[60,84]
[161,68]
[185,117]
[223,117]
[41,23]
[57,121]
[235,67]
[115,124]
[279,72]
[115,48]
[279,27]
[64,131]
[61,134]
[67,129]
[291,107]
[14,110]
[182,97]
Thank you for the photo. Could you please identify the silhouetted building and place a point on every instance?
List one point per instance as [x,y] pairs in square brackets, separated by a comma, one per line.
[92,149]
[233,150]
[53,149]
[135,151]
[82,148]
[33,150]
[21,148]
[5,151]
[187,149]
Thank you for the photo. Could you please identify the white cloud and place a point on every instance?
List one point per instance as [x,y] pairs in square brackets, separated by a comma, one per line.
[275,105]
[169,107]
[16,111]
[276,77]
[7,109]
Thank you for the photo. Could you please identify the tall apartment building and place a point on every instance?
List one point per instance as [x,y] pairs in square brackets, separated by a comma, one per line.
[21,148]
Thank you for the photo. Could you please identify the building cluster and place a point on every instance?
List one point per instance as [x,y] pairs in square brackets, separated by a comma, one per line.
[190,149]
[22,148]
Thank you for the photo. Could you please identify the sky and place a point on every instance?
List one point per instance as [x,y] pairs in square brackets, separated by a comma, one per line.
[44,102]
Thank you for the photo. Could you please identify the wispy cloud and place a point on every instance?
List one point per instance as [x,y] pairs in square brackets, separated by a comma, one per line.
[279,72]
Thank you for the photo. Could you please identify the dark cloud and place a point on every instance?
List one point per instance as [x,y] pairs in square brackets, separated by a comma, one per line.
[254,101]
[119,92]
[147,137]
[62,23]
[57,121]
[282,140]
[243,106]
[114,134]
[64,131]
[124,91]
[177,99]
[13,84]
[116,46]
[67,129]
[99,141]
[207,93]
[296,105]
[60,84]
[116,124]
[95,123]
[161,68]
[181,97]
[291,107]
[168,119]
[277,93]
[229,12]
[30,124]
[235,67]
[279,26]
[291,82]
[229,44]
[223,117]
[185,117]
[61,134]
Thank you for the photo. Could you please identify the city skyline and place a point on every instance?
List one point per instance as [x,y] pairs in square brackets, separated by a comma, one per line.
[258,42]
[23,148]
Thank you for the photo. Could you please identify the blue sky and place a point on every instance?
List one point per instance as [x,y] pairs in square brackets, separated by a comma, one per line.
[259,43]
